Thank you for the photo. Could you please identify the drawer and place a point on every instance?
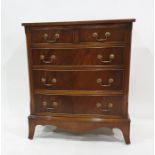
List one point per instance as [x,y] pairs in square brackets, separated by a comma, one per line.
[98,56]
[49,35]
[79,104]
[106,33]
[79,80]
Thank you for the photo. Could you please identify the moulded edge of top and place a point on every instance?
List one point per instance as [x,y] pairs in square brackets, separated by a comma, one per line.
[80,22]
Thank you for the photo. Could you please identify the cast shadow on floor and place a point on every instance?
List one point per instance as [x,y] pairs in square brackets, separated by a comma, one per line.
[101,134]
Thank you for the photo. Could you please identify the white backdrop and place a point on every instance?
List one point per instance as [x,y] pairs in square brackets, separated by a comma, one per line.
[15,90]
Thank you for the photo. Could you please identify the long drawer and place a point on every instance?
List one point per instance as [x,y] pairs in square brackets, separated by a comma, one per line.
[97,56]
[78,80]
[48,104]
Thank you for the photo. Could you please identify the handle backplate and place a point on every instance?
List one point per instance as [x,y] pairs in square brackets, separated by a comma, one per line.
[111,57]
[55,38]
[100,106]
[52,58]
[44,81]
[110,81]
[96,36]
[53,105]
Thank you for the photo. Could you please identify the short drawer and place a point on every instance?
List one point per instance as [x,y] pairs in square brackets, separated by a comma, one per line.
[79,80]
[105,33]
[79,104]
[51,35]
[98,56]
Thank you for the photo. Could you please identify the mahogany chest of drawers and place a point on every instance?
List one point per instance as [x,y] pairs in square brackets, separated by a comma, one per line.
[79,74]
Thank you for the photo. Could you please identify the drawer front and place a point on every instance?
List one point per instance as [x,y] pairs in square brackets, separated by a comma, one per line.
[79,104]
[79,80]
[47,35]
[106,33]
[103,56]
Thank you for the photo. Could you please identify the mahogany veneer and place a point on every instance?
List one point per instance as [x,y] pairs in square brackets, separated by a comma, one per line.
[79,74]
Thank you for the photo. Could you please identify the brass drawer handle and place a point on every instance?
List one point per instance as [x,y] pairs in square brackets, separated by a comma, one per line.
[110,81]
[53,81]
[52,107]
[109,107]
[111,57]
[55,38]
[96,36]
[52,58]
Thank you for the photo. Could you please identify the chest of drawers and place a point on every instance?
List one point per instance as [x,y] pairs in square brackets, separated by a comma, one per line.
[79,74]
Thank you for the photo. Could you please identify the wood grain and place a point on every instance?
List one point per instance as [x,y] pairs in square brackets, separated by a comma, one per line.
[78,80]
[71,105]
[78,56]
[76,69]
